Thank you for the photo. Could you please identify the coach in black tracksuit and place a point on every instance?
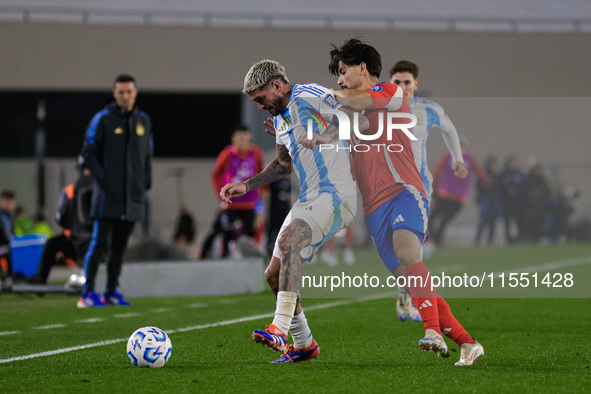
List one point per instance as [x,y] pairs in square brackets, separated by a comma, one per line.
[118,151]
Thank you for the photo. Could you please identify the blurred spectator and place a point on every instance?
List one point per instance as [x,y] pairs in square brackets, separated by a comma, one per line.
[538,191]
[514,198]
[22,224]
[235,163]
[451,192]
[7,208]
[41,226]
[73,215]
[328,255]
[489,202]
[559,206]
[185,228]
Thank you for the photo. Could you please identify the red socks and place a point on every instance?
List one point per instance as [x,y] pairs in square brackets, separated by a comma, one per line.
[434,310]
[450,326]
[418,281]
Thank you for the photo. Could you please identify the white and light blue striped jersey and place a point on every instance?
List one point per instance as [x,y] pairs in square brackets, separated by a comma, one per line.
[319,170]
[429,115]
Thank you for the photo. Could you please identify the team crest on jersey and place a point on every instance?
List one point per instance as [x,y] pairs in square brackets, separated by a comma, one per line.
[140,130]
[118,130]
[377,88]
[330,101]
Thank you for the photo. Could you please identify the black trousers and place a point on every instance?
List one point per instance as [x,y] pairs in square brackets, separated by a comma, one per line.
[442,214]
[59,243]
[224,223]
[108,237]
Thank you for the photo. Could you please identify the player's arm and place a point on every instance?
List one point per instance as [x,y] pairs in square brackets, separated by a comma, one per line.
[280,167]
[355,99]
[452,141]
[332,134]
[93,145]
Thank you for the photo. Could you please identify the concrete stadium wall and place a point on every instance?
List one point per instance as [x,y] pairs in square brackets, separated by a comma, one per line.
[88,56]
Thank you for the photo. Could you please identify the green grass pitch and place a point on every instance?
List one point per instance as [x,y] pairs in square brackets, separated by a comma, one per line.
[531,344]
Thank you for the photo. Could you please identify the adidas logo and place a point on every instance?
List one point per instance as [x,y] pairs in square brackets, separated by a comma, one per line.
[446,331]
[399,219]
[425,304]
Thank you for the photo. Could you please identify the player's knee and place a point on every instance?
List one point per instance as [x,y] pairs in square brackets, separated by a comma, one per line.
[271,277]
[407,256]
[301,234]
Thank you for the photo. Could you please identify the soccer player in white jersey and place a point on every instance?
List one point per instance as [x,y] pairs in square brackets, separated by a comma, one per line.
[326,204]
[429,115]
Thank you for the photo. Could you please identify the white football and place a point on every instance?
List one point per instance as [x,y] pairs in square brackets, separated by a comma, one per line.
[149,347]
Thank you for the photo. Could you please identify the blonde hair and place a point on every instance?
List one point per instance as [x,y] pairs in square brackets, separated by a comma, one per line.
[262,73]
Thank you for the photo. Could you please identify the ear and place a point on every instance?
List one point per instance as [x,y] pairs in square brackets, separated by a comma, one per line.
[362,68]
[276,84]
[416,84]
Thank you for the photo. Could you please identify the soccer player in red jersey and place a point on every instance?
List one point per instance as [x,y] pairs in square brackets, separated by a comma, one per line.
[394,200]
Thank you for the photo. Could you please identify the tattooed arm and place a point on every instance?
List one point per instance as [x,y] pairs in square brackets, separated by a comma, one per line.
[277,169]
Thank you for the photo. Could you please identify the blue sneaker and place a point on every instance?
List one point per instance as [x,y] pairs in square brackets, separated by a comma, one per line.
[272,337]
[115,298]
[293,355]
[433,342]
[91,299]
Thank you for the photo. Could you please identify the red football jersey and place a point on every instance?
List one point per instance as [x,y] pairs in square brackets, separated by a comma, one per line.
[384,167]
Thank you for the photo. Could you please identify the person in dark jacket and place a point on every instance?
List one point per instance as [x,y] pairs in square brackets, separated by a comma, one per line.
[73,216]
[118,150]
[514,198]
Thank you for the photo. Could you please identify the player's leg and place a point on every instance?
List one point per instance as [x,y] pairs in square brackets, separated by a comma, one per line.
[405,307]
[295,236]
[99,244]
[449,209]
[50,249]
[328,256]
[407,249]
[349,255]
[471,350]
[121,232]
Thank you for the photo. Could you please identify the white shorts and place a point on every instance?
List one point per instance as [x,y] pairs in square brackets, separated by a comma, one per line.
[326,215]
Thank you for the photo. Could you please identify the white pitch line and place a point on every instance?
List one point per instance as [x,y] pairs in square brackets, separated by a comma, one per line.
[58,351]
[161,310]
[552,266]
[9,333]
[123,315]
[200,327]
[49,327]
[91,320]
[197,305]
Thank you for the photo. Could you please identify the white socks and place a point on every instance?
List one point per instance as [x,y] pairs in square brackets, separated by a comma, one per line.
[286,303]
[300,332]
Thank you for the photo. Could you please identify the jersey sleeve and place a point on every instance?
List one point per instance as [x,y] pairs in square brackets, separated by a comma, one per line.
[450,136]
[386,96]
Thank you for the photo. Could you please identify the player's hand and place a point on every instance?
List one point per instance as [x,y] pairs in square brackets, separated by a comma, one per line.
[459,169]
[232,190]
[317,139]
[270,126]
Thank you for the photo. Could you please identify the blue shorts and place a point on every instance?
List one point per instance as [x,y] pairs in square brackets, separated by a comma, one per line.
[407,211]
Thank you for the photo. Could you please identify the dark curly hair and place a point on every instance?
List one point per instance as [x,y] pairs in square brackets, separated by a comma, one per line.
[354,52]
